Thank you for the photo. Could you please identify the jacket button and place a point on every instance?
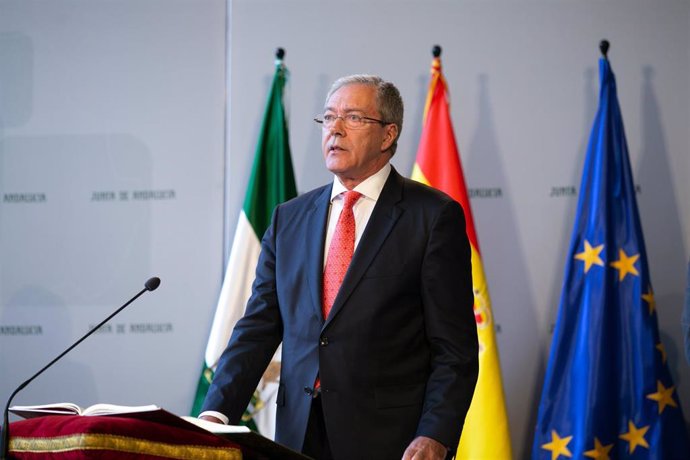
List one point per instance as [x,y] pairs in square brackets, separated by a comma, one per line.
[323,341]
[308,390]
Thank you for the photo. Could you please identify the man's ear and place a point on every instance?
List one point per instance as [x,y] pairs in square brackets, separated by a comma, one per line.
[391,134]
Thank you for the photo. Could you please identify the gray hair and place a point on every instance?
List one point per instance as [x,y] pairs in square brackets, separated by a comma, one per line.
[388,100]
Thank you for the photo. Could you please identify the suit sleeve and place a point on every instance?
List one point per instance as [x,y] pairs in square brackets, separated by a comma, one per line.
[450,327]
[254,340]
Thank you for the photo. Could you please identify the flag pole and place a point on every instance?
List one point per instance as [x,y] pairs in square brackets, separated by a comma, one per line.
[604,48]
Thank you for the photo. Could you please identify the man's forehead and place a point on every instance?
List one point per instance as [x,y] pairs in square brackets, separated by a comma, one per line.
[352,97]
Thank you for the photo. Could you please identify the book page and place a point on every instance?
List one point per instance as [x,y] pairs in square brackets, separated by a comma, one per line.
[73,409]
[64,408]
[215,427]
[113,409]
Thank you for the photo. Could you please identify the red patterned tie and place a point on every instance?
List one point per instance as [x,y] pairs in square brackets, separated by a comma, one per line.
[339,257]
[339,253]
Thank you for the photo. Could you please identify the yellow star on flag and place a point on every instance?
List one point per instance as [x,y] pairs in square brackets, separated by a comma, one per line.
[649,298]
[660,347]
[600,452]
[590,256]
[558,446]
[635,436]
[663,395]
[625,264]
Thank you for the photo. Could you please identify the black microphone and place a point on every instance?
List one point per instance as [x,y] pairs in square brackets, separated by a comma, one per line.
[150,285]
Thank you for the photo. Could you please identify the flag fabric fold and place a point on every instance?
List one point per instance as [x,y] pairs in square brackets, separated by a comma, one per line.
[685,319]
[608,392]
[271,183]
[486,432]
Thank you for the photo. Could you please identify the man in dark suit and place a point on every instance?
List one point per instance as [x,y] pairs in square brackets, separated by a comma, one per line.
[379,355]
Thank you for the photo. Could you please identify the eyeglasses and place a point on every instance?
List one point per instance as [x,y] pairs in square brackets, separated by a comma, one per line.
[351,120]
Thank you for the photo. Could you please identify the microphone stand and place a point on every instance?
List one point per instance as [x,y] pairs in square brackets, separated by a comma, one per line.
[150,285]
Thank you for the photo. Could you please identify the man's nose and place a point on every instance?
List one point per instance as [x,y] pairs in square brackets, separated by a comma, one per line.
[338,127]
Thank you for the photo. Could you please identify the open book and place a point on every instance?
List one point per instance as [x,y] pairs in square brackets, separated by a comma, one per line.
[73,409]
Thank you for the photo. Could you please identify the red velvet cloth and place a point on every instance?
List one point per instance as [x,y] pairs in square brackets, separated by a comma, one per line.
[149,436]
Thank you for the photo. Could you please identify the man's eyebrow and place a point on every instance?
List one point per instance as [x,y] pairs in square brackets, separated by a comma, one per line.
[347,110]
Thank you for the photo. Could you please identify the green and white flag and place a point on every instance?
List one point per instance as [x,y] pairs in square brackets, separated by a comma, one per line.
[271,183]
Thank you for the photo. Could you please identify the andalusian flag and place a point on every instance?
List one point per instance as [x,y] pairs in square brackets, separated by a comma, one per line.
[485,434]
[271,183]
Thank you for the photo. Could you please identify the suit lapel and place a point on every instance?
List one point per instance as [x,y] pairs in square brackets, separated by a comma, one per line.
[316,232]
[382,220]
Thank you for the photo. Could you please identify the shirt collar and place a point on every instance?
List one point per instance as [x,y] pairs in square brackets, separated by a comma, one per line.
[370,187]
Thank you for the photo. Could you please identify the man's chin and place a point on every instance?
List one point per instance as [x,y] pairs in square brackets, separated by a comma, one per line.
[335,166]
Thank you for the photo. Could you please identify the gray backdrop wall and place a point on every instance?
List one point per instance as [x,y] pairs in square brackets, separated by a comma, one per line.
[111,171]
[130,96]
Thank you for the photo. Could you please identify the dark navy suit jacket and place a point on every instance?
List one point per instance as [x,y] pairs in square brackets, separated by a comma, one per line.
[397,356]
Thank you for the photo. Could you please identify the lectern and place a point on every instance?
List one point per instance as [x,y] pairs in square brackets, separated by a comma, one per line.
[146,436]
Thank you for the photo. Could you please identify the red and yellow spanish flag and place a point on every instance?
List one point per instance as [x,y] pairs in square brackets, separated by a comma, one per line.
[486,434]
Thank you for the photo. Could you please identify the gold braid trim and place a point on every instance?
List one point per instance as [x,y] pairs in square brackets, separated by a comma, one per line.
[122,444]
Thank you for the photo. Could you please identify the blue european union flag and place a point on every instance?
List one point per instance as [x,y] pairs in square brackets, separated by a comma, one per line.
[607,392]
